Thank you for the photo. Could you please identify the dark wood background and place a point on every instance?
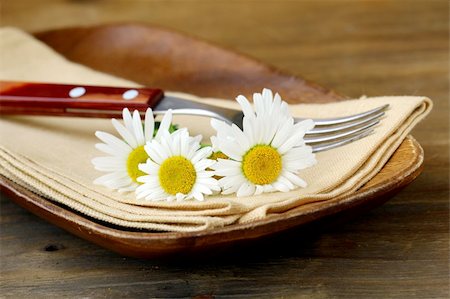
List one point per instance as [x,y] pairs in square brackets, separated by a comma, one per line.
[399,250]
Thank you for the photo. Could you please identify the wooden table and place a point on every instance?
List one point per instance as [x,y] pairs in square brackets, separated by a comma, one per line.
[399,250]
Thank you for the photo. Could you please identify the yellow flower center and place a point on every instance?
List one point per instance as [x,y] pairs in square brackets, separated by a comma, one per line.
[261,164]
[137,156]
[177,175]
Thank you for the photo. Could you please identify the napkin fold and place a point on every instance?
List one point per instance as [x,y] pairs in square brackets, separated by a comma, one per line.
[51,156]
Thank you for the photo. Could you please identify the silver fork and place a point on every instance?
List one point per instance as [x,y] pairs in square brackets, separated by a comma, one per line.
[100,101]
[328,133]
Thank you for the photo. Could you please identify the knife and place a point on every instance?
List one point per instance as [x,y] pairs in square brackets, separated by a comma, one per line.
[29,98]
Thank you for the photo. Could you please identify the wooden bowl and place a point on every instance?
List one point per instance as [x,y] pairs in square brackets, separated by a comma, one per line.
[158,57]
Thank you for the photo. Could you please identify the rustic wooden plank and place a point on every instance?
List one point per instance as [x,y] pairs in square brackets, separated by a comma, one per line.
[374,47]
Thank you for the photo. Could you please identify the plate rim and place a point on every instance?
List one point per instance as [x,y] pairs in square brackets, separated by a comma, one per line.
[140,241]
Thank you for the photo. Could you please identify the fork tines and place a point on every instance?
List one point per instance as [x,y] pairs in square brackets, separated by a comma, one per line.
[335,132]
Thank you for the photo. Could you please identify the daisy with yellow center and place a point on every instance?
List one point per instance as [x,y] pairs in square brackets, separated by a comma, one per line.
[178,169]
[267,154]
[124,155]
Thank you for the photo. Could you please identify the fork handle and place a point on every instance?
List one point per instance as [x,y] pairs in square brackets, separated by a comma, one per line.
[26,98]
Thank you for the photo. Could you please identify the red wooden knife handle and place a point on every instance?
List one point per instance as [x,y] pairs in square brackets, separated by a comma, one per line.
[73,100]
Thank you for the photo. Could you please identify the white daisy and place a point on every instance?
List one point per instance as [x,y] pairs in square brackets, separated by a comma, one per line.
[125,155]
[178,168]
[268,153]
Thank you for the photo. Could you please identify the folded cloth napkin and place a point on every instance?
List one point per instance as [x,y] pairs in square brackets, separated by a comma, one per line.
[51,156]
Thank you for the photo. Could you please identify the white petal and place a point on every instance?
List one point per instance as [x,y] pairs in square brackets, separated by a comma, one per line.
[259,189]
[202,189]
[192,149]
[305,125]
[225,163]
[285,109]
[201,154]
[277,102]
[294,179]
[149,167]
[150,181]
[266,131]
[130,188]
[283,132]
[231,151]
[241,139]
[151,195]
[142,187]
[271,129]
[223,129]
[157,195]
[228,171]
[138,129]
[118,183]
[109,168]
[180,196]
[143,193]
[110,176]
[296,138]
[258,103]
[149,127]
[268,188]
[176,144]
[280,187]
[289,144]
[246,189]
[249,131]
[165,124]
[286,182]
[128,120]
[211,183]
[114,142]
[152,153]
[267,97]
[110,150]
[214,143]
[245,105]
[232,189]
[300,164]
[126,135]
[198,196]
[185,149]
[205,174]
[159,149]
[258,130]
[166,142]
[203,164]
[298,153]
[232,181]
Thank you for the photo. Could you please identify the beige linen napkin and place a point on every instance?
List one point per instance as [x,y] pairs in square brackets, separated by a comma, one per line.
[51,155]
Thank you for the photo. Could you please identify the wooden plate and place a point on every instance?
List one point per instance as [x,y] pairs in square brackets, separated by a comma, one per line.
[159,57]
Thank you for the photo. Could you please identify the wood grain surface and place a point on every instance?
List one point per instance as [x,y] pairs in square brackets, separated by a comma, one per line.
[371,47]
[112,46]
